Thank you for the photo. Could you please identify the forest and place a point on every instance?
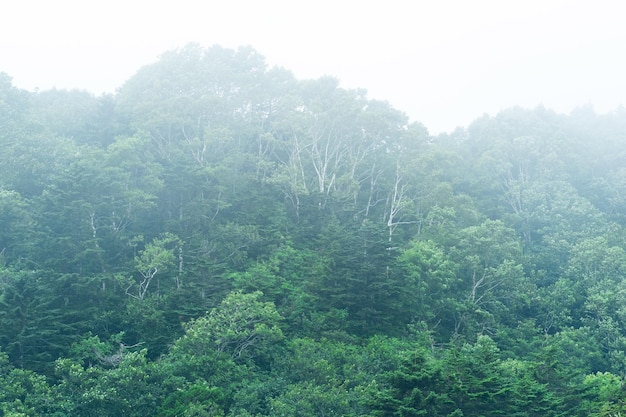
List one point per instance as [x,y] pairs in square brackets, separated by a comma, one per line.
[219,238]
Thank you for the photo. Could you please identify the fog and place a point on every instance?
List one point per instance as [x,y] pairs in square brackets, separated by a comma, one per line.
[443,63]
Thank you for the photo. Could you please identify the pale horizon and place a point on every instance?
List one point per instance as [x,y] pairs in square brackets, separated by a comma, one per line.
[444,64]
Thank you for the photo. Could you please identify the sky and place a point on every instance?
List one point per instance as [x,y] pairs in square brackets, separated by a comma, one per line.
[442,62]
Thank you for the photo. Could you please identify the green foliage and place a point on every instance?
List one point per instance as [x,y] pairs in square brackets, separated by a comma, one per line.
[129,388]
[40,316]
[157,256]
[241,327]
[196,400]
[416,388]
[219,238]
[16,227]
[307,399]
[26,393]
[434,279]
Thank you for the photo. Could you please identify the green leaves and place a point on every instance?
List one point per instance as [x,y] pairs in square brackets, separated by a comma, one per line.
[26,393]
[17,227]
[157,256]
[432,277]
[37,323]
[128,389]
[289,247]
[198,399]
[241,327]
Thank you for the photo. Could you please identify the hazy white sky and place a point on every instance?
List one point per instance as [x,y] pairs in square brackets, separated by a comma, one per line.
[443,62]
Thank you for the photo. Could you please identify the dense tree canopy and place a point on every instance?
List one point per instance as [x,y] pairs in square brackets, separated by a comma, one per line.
[219,238]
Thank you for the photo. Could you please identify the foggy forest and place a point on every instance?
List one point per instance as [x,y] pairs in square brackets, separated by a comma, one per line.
[219,238]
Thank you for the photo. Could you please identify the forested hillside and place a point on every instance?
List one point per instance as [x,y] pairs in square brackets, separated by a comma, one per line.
[219,238]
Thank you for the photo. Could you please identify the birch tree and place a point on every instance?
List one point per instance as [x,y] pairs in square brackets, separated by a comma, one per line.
[157,257]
